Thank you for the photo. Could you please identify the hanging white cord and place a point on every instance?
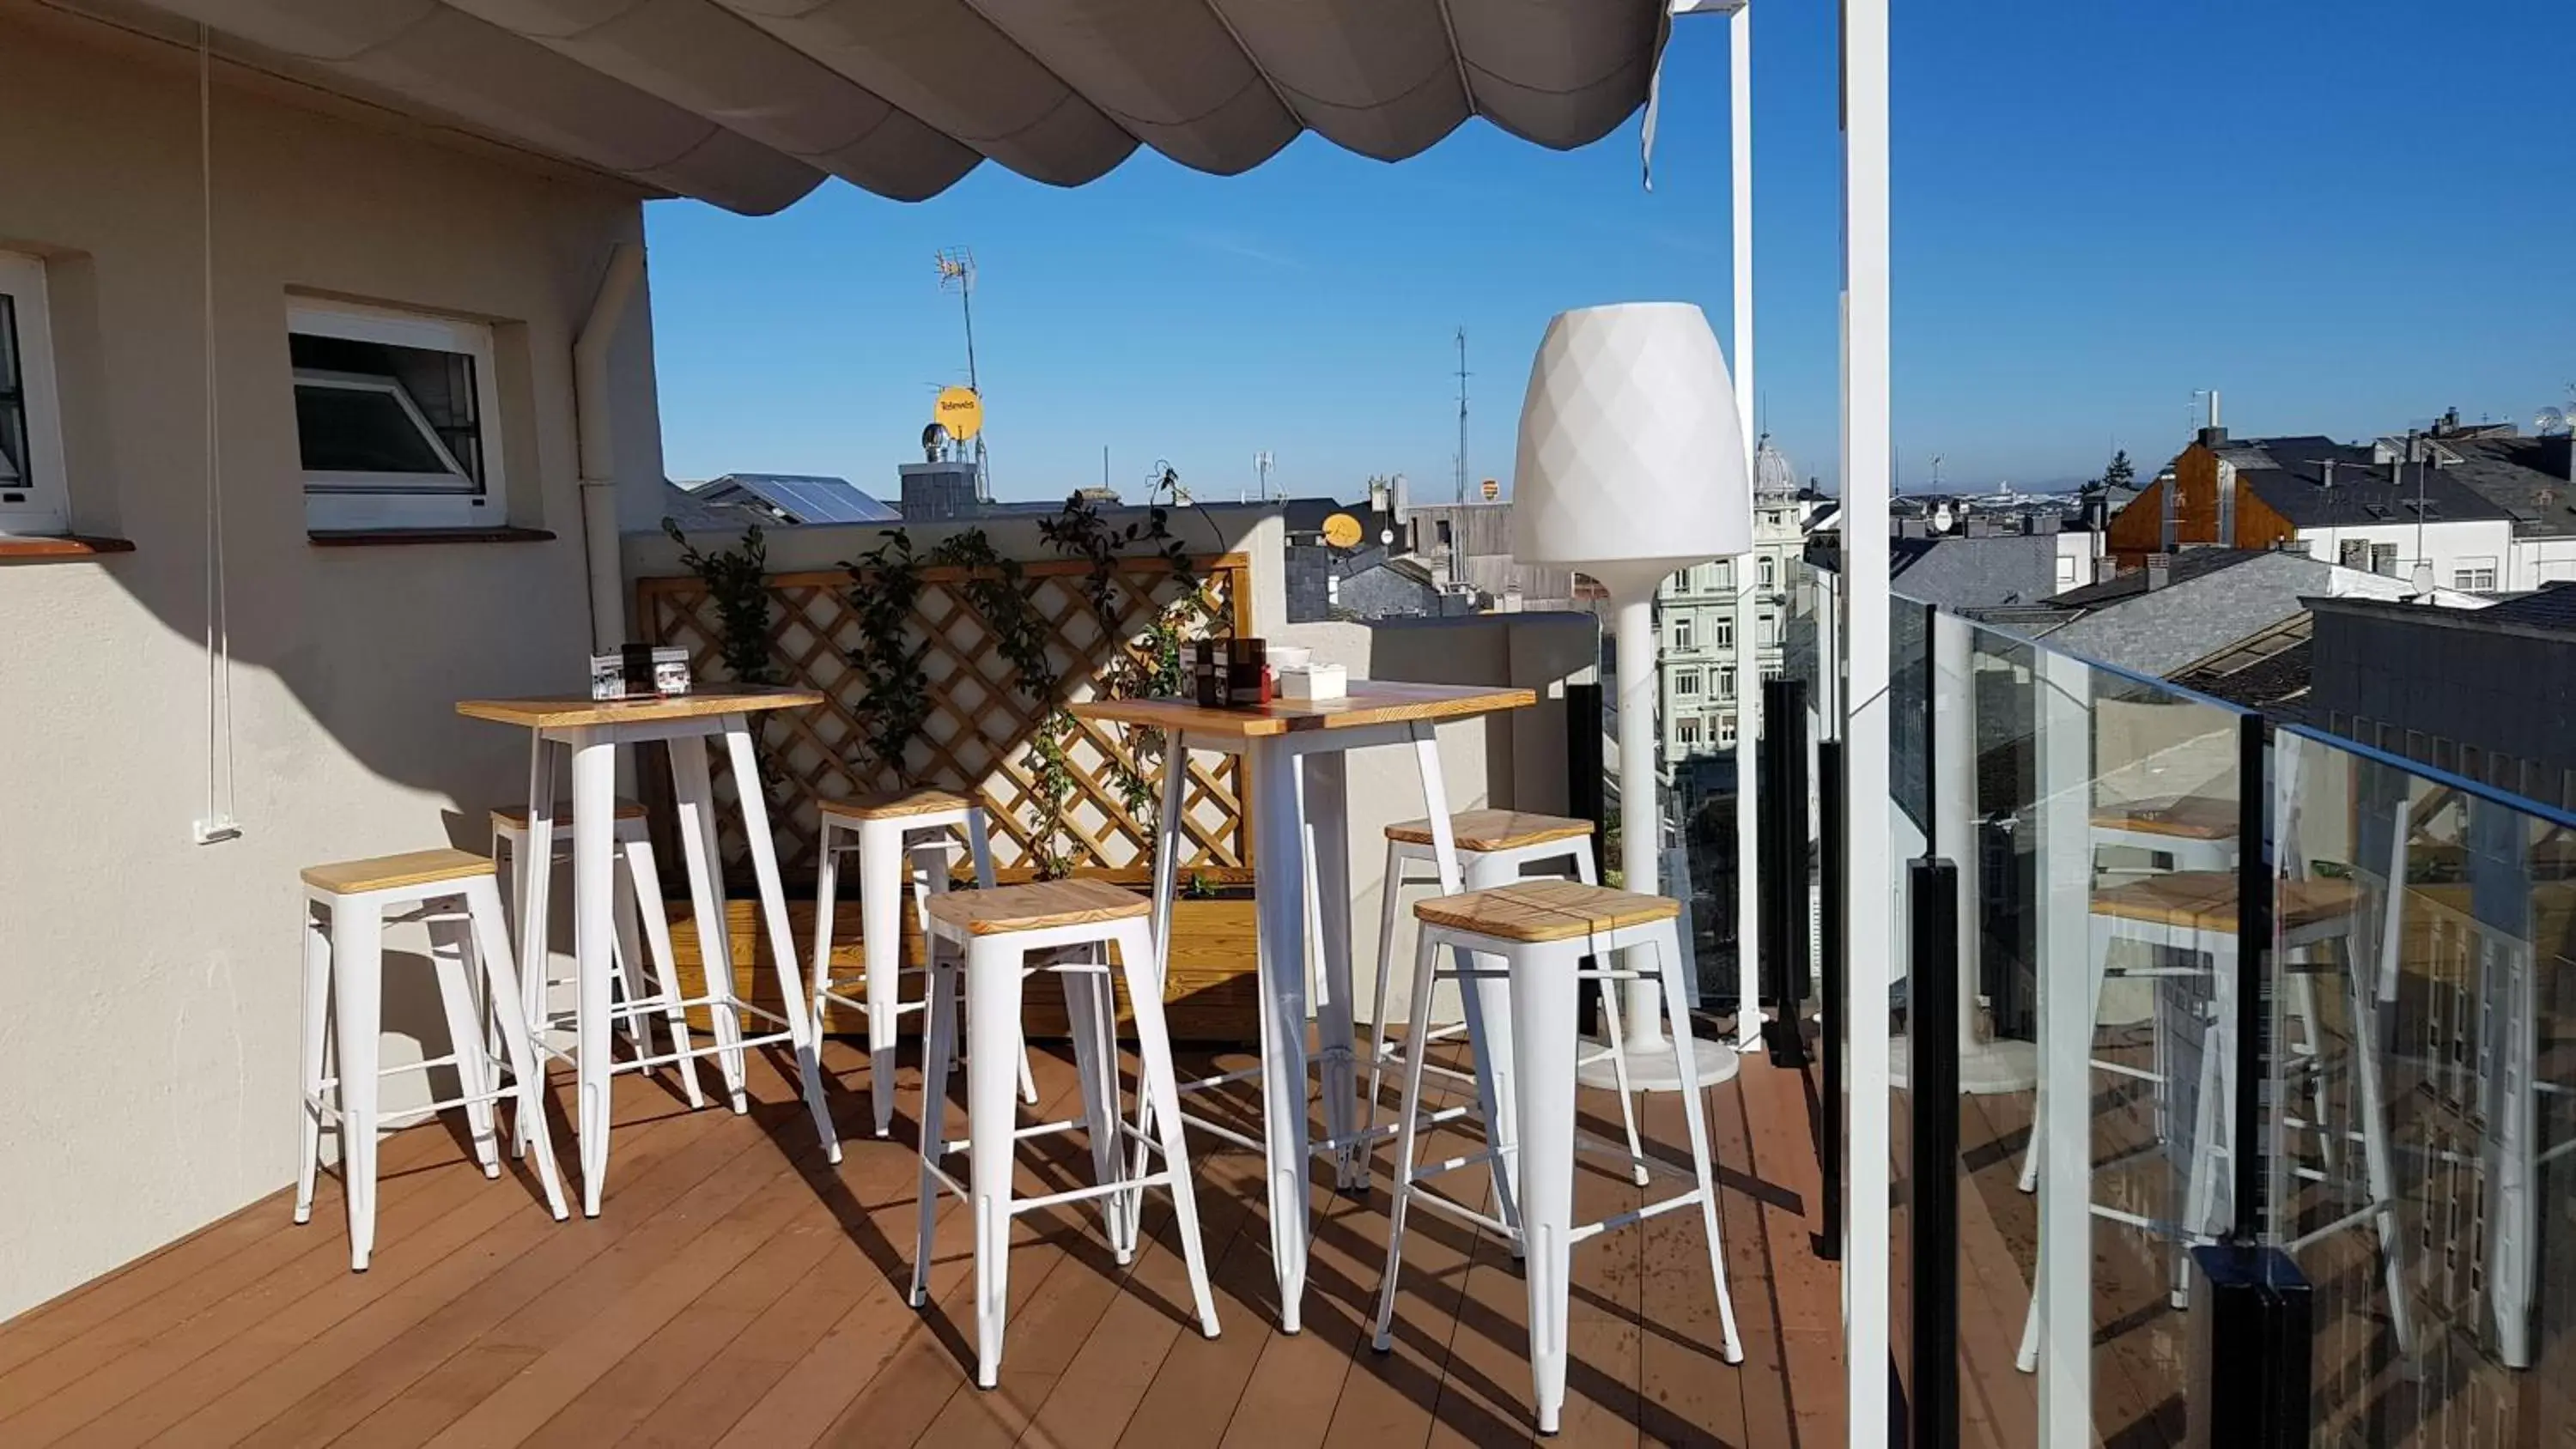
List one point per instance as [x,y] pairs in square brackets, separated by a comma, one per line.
[219,642]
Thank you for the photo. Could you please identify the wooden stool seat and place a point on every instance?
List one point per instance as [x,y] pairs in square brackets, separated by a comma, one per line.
[895,804]
[1037,906]
[2205,900]
[1549,910]
[1492,830]
[390,872]
[515,817]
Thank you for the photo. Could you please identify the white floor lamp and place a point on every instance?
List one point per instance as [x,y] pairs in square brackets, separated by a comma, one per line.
[1632,467]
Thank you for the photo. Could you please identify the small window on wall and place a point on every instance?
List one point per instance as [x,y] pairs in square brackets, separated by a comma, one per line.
[395,417]
[1726,732]
[1686,683]
[1682,632]
[32,499]
[1687,731]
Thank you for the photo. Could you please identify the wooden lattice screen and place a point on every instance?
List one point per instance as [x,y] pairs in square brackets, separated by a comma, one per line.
[977,735]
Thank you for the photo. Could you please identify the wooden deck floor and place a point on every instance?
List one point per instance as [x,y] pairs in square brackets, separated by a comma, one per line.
[735,1290]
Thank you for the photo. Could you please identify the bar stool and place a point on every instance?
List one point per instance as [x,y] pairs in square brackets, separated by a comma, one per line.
[1000,938]
[1542,930]
[642,989]
[346,907]
[1494,846]
[888,831]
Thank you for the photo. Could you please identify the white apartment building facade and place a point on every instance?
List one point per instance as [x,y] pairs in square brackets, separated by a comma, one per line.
[1695,616]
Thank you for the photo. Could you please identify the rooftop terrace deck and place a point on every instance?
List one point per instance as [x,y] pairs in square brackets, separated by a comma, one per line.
[736,1290]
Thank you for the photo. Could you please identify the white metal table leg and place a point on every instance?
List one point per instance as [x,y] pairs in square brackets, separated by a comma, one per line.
[450,945]
[518,1044]
[792,1000]
[881,871]
[1158,1077]
[647,874]
[1408,1109]
[695,797]
[1280,899]
[357,943]
[993,1014]
[1327,811]
[1694,1119]
[535,881]
[594,865]
[1542,990]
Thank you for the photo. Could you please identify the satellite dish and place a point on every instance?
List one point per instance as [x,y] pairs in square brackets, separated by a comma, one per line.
[934,441]
[960,411]
[2549,422]
[1342,531]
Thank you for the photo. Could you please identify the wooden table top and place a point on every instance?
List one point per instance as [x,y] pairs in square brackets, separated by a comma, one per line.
[2191,817]
[563,711]
[1370,702]
[2206,900]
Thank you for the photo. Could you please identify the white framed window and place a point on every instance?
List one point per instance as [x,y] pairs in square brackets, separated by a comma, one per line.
[1726,732]
[1687,731]
[2474,575]
[1770,571]
[1686,684]
[1683,633]
[397,419]
[33,499]
[1725,631]
[1768,633]
[1726,684]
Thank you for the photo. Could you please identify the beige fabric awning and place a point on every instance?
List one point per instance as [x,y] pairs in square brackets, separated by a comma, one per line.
[749,104]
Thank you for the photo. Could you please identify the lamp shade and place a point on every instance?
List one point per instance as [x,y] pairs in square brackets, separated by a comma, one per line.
[1631,460]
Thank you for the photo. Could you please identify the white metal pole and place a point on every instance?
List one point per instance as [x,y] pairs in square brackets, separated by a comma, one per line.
[1748,671]
[1640,811]
[1868,923]
[2064,692]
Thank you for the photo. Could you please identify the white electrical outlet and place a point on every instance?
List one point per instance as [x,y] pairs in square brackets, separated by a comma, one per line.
[215,830]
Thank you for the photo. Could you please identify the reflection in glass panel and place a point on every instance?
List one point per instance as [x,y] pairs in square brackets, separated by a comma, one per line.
[2424,1098]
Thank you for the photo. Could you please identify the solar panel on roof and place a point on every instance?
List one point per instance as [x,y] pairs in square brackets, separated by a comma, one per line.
[812,499]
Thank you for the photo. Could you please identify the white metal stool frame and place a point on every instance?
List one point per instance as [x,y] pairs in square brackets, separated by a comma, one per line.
[639,900]
[342,1035]
[2213,1119]
[1542,977]
[884,845]
[1484,869]
[994,968]
[592,733]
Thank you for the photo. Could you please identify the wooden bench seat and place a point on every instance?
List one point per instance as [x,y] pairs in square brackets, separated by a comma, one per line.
[895,804]
[1487,831]
[1545,910]
[387,872]
[1038,906]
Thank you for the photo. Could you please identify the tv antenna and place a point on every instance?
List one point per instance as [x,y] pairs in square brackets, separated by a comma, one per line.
[1462,414]
[957,273]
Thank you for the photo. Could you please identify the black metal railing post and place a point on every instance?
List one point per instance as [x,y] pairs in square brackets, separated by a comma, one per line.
[1932,1030]
[1831,862]
[2254,971]
[1587,797]
[1782,832]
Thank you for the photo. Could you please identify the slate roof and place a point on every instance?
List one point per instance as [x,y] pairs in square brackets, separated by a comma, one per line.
[2552,607]
[2189,564]
[2519,476]
[1975,572]
[2267,670]
[2362,493]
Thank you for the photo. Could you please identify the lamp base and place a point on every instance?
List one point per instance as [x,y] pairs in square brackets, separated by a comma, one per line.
[1653,1069]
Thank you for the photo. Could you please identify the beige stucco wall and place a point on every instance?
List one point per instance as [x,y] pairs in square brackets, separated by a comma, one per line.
[148,1052]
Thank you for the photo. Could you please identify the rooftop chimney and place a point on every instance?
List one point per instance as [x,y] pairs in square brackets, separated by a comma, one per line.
[2159,570]
[2558,456]
[2213,437]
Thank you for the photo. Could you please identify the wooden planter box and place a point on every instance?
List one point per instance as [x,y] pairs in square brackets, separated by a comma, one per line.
[1211,995]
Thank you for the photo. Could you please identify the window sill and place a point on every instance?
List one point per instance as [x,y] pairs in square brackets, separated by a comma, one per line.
[400,537]
[71,548]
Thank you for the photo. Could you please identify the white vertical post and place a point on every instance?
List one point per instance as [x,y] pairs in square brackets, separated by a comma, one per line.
[1869,928]
[2064,691]
[1748,671]
[1640,811]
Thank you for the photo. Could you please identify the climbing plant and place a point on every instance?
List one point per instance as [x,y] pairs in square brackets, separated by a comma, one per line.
[1150,663]
[896,699]
[737,579]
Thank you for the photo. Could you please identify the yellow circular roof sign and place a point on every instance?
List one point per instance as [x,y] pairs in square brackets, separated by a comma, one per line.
[960,411]
[1493,490]
[1342,531]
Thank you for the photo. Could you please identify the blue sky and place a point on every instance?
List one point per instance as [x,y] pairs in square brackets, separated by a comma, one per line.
[2345,217]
